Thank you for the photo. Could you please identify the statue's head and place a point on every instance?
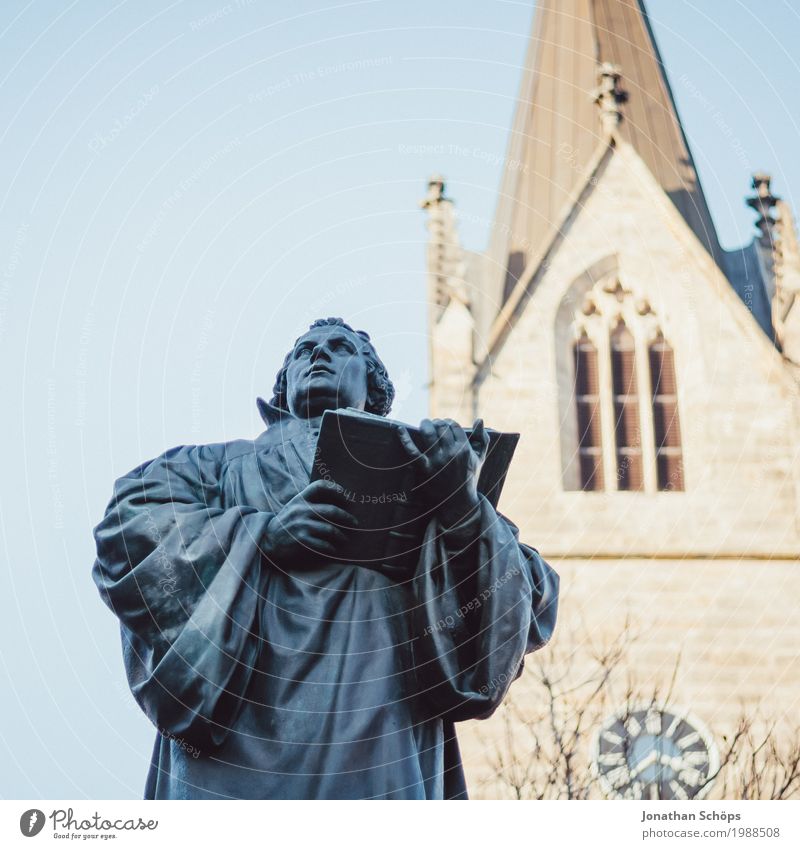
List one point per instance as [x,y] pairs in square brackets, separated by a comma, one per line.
[332,366]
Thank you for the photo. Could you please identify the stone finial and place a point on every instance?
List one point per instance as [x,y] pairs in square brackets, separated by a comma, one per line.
[763,202]
[781,255]
[609,96]
[436,193]
[446,266]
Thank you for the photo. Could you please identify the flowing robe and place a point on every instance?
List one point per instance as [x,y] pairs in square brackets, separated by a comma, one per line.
[324,680]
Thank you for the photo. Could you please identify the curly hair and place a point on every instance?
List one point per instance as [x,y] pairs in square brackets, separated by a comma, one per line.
[380,389]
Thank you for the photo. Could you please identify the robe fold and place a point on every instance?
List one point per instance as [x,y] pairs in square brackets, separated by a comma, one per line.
[326,680]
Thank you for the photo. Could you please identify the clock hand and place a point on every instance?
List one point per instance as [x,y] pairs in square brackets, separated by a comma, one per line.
[674,763]
[643,764]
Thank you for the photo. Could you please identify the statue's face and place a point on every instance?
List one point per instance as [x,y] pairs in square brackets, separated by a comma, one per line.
[327,371]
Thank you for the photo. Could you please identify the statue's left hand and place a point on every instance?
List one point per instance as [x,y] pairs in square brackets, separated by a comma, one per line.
[448,463]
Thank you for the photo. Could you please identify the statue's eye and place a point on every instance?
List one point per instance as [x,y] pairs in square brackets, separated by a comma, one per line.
[305,351]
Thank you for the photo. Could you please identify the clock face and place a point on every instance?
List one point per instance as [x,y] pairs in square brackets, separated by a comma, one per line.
[654,753]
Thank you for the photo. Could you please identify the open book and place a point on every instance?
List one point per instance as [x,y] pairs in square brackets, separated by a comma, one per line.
[362,455]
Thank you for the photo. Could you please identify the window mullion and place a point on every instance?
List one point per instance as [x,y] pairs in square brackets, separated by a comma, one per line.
[648,436]
[607,418]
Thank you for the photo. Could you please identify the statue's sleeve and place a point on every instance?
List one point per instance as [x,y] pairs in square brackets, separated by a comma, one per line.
[182,574]
[483,600]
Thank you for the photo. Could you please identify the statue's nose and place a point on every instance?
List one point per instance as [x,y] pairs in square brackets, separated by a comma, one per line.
[318,350]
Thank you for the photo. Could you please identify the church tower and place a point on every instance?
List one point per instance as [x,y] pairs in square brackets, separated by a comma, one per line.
[652,374]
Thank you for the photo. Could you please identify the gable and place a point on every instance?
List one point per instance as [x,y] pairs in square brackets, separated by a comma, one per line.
[621,209]
[737,402]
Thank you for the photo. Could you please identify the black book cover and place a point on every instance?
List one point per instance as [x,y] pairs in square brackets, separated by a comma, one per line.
[362,455]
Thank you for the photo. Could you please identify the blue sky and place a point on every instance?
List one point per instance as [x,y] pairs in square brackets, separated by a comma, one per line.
[184,186]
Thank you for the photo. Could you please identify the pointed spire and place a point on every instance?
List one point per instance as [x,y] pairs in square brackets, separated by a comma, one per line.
[558,128]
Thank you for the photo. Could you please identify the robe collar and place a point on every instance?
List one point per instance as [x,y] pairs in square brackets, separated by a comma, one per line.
[270,413]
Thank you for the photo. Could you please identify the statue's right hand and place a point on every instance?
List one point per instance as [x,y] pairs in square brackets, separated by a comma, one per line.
[313,524]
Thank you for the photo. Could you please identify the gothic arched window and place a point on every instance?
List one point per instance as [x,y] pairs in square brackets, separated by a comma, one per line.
[666,425]
[624,433]
[627,425]
[587,401]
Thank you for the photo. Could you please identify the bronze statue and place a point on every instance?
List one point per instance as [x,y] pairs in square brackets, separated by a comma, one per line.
[273,670]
